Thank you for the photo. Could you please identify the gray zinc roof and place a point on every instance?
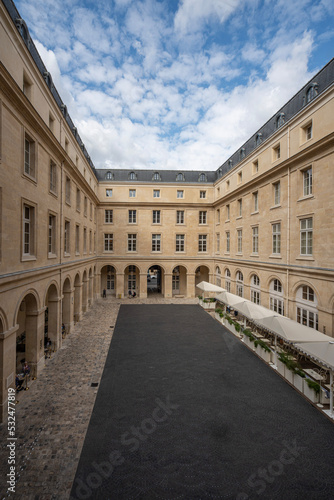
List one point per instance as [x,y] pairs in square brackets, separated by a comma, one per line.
[166,176]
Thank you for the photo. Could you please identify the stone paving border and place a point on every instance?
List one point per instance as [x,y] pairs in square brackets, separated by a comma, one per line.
[53,415]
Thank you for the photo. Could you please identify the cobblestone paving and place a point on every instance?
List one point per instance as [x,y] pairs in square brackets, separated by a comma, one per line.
[53,415]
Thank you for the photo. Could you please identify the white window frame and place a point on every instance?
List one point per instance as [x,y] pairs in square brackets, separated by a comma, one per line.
[276,238]
[108,216]
[306,236]
[108,242]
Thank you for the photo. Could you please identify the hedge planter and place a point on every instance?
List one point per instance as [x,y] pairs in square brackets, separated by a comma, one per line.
[298,382]
[310,393]
[264,354]
[281,367]
[209,304]
[289,375]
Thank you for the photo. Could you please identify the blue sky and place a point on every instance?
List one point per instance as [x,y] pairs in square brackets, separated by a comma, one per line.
[177,84]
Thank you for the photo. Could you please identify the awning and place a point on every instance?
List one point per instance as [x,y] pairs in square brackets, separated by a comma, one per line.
[322,352]
[290,330]
[209,287]
[230,299]
[254,311]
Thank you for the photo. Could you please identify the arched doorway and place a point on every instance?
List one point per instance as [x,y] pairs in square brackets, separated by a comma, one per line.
[155,281]
[201,274]
[29,337]
[108,280]
[179,281]
[131,281]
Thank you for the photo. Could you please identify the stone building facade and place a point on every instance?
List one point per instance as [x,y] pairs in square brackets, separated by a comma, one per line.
[261,225]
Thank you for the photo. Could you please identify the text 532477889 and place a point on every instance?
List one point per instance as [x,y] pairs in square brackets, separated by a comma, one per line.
[11,445]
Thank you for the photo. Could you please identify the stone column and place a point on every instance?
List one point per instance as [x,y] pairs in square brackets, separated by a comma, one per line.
[68,309]
[120,285]
[142,285]
[168,292]
[77,302]
[97,289]
[85,292]
[191,293]
[7,367]
[35,321]
[54,324]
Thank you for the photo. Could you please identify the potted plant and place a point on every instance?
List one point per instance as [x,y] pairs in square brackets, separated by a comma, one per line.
[311,390]
[262,350]
[298,379]
[218,312]
[200,300]
[248,338]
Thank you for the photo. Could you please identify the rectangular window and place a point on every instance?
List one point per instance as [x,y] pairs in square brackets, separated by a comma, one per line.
[29,156]
[307,182]
[180,217]
[78,200]
[132,216]
[156,242]
[28,230]
[85,240]
[132,193]
[91,211]
[179,193]
[306,236]
[156,193]
[255,296]
[132,242]
[277,305]
[239,234]
[239,208]
[156,217]
[218,242]
[227,212]
[90,241]
[53,177]
[108,193]
[256,201]
[255,240]
[68,190]
[85,206]
[227,185]
[77,239]
[276,231]
[52,235]
[202,194]
[108,242]
[277,193]
[276,152]
[306,132]
[255,168]
[108,216]
[202,242]
[228,241]
[179,243]
[67,237]
[218,216]
[202,217]
[239,177]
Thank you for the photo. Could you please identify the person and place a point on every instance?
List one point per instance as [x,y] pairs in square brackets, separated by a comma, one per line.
[26,372]
[134,294]
[63,332]
[104,293]
[130,294]
[18,384]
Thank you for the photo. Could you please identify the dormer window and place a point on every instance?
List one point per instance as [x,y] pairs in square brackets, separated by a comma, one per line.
[180,177]
[242,153]
[280,119]
[156,176]
[312,92]
[230,163]
[23,29]
[109,176]
[132,176]
[258,139]
[202,178]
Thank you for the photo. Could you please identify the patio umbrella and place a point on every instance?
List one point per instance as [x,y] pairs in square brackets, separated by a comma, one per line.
[205,286]
[230,299]
[254,311]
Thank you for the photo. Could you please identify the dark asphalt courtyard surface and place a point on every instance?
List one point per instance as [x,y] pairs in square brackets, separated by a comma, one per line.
[185,411]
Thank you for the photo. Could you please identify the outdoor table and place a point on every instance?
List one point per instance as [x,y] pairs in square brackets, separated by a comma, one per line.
[315,375]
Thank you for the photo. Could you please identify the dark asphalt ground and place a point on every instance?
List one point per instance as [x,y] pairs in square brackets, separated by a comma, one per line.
[185,411]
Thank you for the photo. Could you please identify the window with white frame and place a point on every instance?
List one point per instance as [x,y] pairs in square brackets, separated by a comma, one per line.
[132,242]
[255,167]
[306,236]
[240,284]
[239,242]
[202,217]
[255,289]
[108,216]
[179,244]
[132,278]
[109,176]
[307,182]
[156,242]
[218,216]
[78,202]
[29,156]
[218,276]
[217,242]
[68,190]
[255,239]
[156,176]
[90,241]
[227,212]
[228,280]
[111,278]
[240,208]
[202,242]
[276,235]
[179,193]
[52,235]
[132,176]
[156,193]
[280,119]
[276,299]
[256,201]
[28,230]
[239,177]
[307,307]
[277,152]
[108,242]
[108,193]
[228,241]
[67,227]
[277,193]
[180,177]
[53,177]
[132,193]
[77,239]
[202,178]
[132,216]
[85,206]
[91,211]
[180,217]
[202,194]
[156,217]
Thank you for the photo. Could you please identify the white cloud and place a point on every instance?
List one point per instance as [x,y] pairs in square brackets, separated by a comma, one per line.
[192,13]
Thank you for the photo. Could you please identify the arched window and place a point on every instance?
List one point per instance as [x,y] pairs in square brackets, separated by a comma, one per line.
[218,276]
[228,280]
[132,176]
[255,289]
[242,153]
[180,177]
[230,163]
[312,92]
[109,176]
[258,139]
[276,300]
[240,284]
[202,178]
[23,29]
[307,307]
[280,119]
[156,176]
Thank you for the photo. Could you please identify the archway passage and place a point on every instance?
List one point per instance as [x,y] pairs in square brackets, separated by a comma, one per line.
[131,281]
[179,281]
[201,274]
[155,281]
[108,280]
[27,337]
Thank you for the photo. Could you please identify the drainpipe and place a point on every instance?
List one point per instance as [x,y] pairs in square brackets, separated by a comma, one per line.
[288,244]
[61,243]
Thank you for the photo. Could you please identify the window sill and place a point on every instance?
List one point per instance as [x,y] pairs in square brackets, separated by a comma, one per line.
[254,213]
[77,254]
[275,206]
[275,256]
[67,254]
[26,258]
[52,256]
[240,217]
[239,253]
[227,220]
[254,255]
[108,251]
[305,257]
[29,178]
[53,193]
[308,197]
[226,253]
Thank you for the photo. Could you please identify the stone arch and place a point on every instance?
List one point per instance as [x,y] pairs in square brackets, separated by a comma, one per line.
[67,310]
[3,321]
[131,279]
[108,279]
[77,297]
[85,291]
[90,286]
[156,279]
[179,280]
[52,330]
